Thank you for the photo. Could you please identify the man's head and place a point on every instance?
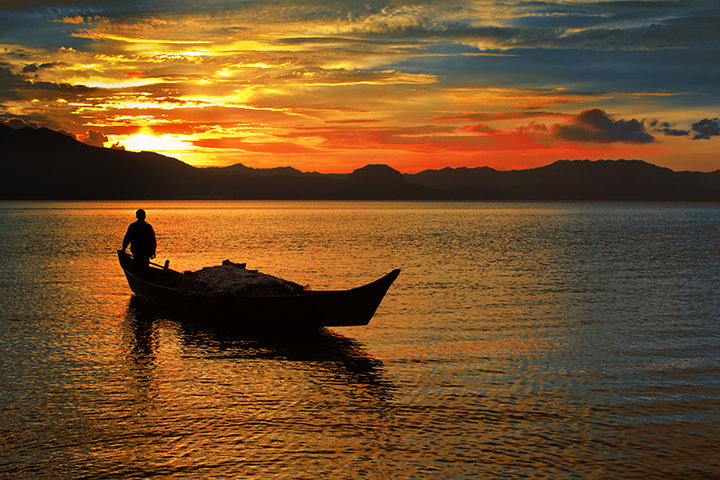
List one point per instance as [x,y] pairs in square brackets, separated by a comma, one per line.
[140,214]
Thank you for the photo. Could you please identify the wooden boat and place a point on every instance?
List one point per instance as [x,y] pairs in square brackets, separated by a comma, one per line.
[307,309]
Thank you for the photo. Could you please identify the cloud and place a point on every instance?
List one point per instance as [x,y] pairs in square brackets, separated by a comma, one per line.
[510,115]
[77,19]
[706,128]
[34,67]
[593,25]
[37,120]
[95,139]
[672,132]
[666,128]
[480,128]
[17,123]
[10,85]
[596,126]
[68,134]
[16,87]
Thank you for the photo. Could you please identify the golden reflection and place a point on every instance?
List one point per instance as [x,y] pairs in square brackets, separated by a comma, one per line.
[140,337]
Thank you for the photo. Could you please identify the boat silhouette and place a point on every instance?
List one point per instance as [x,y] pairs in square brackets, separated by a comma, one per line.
[323,308]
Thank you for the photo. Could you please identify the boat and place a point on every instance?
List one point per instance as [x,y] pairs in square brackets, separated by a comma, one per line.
[323,308]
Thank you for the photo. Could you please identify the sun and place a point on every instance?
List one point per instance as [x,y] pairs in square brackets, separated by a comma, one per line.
[167,143]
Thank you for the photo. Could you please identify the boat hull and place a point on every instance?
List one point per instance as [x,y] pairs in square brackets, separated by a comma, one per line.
[308,309]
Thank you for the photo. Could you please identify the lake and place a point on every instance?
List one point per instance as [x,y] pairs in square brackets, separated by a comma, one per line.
[521,340]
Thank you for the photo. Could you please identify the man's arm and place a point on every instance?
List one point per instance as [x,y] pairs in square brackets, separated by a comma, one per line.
[126,239]
[153,242]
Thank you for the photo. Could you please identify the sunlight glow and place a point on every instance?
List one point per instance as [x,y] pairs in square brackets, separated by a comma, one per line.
[157,143]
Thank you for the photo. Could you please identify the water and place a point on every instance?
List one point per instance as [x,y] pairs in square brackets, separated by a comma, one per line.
[521,340]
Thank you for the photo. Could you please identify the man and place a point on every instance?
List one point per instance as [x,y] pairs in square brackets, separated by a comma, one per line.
[141,238]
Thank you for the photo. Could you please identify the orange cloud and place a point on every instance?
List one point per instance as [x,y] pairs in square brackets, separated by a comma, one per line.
[77,19]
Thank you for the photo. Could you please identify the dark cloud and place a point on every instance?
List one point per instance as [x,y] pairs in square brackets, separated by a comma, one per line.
[672,132]
[589,72]
[35,120]
[706,128]
[15,87]
[687,30]
[95,138]
[675,33]
[596,126]
[622,24]
[667,129]
[17,123]
[34,67]
[68,134]
[10,85]
[17,53]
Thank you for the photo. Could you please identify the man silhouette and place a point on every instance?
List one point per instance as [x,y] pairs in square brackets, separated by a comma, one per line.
[141,238]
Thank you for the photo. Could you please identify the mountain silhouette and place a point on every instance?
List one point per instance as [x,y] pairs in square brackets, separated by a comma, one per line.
[240,169]
[573,180]
[385,182]
[41,164]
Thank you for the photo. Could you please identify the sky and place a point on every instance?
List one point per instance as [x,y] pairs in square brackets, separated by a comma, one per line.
[330,86]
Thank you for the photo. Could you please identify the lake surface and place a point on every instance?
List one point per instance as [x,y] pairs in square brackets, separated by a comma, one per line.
[521,340]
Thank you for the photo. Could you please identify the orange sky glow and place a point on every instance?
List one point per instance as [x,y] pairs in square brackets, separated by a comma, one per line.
[327,87]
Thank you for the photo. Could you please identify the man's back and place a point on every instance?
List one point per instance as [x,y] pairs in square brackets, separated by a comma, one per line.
[141,237]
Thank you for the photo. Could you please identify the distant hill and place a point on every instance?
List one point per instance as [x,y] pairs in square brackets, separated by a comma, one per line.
[41,164]
[572,180]
[240,169]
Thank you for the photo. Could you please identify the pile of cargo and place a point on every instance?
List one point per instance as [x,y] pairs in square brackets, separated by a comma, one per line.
[234,279]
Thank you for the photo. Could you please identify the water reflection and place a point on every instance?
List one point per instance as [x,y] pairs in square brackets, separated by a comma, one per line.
[140,324]
[250,404]
[335,358]
[140,336]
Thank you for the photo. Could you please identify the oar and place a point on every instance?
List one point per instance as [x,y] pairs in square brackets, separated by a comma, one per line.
[167,262]
[164,267]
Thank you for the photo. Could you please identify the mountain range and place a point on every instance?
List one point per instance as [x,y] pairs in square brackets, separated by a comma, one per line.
[41,164]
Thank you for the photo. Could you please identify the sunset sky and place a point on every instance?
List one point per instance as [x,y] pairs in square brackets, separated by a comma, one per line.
[331,86]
